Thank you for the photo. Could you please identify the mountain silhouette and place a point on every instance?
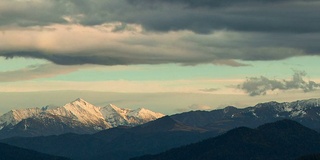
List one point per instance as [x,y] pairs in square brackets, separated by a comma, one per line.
[9,152]
[285,139]
[116,143]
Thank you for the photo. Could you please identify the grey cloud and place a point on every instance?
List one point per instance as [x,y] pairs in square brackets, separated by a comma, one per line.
[102,59]
[255,86]
[192,49]
[32,13]
[209,89]
[69,59]
[35,72]
[260,85]
[298,82]
[253,15]
[202,16]
[260,29]
[214,3]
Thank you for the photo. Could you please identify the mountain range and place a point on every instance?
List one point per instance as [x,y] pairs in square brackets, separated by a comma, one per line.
[284,139]
[118,143]
[8,152]
[306,112]
[127,140]
[78,116]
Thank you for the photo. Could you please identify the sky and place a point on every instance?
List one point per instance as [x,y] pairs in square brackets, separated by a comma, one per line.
[166,55]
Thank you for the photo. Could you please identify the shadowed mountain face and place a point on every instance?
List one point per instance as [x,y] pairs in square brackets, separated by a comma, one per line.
[283,139]
[117,143]
[310,157]
[8,152]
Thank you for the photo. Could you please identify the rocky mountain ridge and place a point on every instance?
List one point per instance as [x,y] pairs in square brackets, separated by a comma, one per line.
[78,116]
[306,112]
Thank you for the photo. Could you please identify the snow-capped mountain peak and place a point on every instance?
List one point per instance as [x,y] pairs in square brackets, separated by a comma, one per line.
[80,114]
[115,115]
[117,109]
[14,116]
[145,114]
[80,101]
[294,109]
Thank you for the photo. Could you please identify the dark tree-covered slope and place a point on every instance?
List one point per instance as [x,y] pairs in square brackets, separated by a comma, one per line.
[117,143]
[283,139]
[8,152]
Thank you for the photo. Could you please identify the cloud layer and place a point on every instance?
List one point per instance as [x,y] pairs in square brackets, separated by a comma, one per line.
[255,86]
[196,15]
[35,72]
[125,32]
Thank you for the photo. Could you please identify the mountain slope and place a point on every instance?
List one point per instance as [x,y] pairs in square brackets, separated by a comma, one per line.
[116,116]
[306,112]
[116,143]
[78,116]
[8,152]
[283,139]
[180,129]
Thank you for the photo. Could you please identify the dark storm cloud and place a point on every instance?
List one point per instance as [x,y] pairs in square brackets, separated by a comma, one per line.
[201,16]
[252,30]
[255,86]
[213,3]
[244,15]
[32,13]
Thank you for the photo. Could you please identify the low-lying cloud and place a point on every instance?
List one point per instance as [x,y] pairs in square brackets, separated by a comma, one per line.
[256,86]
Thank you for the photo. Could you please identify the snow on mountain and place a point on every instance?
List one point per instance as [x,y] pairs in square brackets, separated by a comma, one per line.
[144,114]
[15,116]
[80,113]
[113,115]
[118,116]
[294,109]
[306,112]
